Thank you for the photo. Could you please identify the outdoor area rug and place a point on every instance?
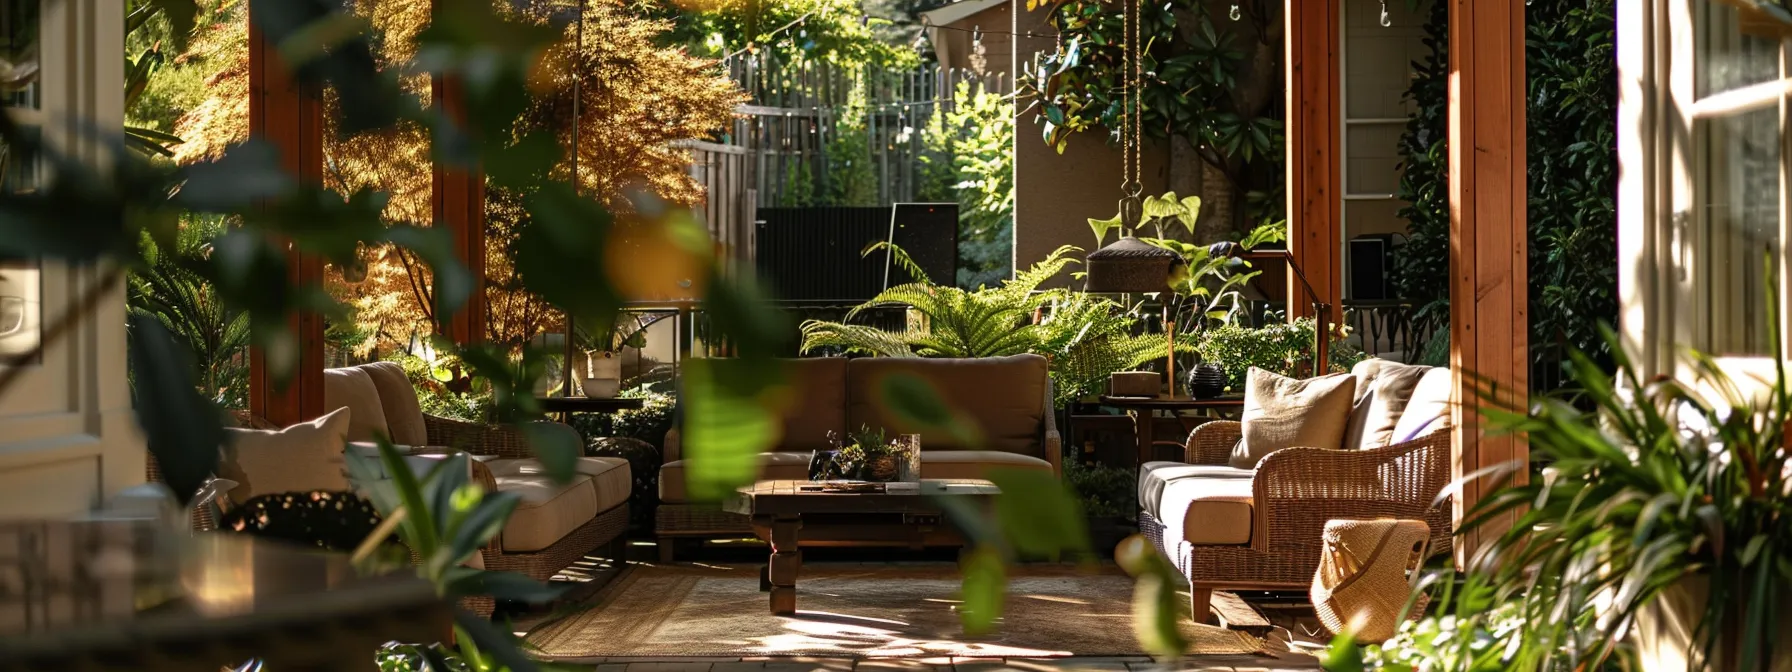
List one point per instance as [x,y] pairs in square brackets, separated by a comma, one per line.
[857,610]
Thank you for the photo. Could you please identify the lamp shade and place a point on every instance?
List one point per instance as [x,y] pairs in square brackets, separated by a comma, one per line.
[1130,265]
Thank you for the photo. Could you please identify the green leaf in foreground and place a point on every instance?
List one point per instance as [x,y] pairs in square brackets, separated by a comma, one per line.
[557,446]
[1155,617]
[918,404]
[729,420]
[182,427]
[985,589]
[1039,515]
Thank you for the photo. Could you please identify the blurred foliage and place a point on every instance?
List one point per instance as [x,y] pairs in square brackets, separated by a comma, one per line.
[968,159]
[1283,348]
[1572,89]
[1210,81]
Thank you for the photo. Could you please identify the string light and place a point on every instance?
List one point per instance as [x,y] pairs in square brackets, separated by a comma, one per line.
[1233,13]
[1385,21]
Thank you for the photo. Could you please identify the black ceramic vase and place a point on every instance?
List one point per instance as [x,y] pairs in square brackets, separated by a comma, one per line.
[1206,381]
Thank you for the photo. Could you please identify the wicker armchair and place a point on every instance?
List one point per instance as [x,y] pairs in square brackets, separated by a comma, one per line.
[1293,493]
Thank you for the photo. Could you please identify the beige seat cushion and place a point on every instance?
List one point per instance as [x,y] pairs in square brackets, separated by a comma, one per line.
[609,476]
[1200,504]
[1005,395]
[1376,413]
[1428,409]
[404,415]
[772,466]
[818,403]
[547,512]
[975,463]
[301,458]
[1282,412]
[353,389]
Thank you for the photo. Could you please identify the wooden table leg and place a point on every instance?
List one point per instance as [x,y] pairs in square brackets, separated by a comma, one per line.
[786,562]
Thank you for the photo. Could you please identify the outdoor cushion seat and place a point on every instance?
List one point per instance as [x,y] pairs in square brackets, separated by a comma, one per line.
[547,512]
[795,466]
[1199,504]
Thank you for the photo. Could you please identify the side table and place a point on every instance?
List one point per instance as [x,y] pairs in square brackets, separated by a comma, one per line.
[1143,408]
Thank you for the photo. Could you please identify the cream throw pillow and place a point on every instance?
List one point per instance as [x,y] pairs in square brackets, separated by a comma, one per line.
[301,458]
[1282,412]
[353,389]
[1372,421]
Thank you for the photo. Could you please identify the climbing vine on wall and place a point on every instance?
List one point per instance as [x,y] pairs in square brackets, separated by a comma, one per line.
[1572,163]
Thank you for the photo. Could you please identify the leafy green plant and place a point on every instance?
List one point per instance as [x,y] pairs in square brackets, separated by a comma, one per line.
[1105,490]
[1085,337]
[1204,82]
[1671,487]
[969,159]
[165,289]
[1284,348]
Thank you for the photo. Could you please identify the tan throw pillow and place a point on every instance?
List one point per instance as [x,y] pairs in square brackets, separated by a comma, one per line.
[304,457]
[353,389]
[1282,412]
[1428,409]
[404,416]
[1373,419]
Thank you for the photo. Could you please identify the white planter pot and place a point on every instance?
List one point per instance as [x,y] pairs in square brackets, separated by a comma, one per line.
[1665,632]
[605,381]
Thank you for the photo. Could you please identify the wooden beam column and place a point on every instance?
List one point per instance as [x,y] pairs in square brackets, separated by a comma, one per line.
[1314,164]
[458,202]
[290,117]
[1489,321]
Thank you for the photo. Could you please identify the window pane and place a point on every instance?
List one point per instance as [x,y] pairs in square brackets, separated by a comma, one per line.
[1740,198]
[1732,53]
[18,51]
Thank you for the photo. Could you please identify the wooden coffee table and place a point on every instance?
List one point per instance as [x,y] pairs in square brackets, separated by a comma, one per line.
[790,514]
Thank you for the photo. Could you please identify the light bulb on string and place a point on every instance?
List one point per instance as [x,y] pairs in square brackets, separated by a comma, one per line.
[1234,13]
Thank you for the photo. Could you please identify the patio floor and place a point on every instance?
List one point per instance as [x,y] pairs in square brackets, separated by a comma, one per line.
[704,614]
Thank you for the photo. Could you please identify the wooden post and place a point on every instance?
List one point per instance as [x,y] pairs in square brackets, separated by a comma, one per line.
[1489,321]
[458,202]
[1314,164]
[291,118]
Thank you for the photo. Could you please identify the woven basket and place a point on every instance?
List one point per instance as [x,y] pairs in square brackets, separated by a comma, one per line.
[1366,574]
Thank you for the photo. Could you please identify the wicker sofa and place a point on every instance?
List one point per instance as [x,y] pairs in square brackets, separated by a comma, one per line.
[1260,529]
[555,525]
[1009,397]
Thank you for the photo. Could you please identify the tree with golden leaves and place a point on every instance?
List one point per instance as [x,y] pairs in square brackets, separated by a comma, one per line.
[634,100]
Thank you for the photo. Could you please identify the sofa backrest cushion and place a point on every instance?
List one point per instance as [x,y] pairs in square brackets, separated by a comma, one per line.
[353,389]
[301,458]
[404,416]
[817,405]
[1429,407]
[1282,412]
[1005,396]
[1376,413]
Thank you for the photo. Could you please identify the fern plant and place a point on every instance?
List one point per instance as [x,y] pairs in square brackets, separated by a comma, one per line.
[188,305]
[1085,337]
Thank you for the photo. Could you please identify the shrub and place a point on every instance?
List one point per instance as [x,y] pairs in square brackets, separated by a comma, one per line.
[1281,348]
